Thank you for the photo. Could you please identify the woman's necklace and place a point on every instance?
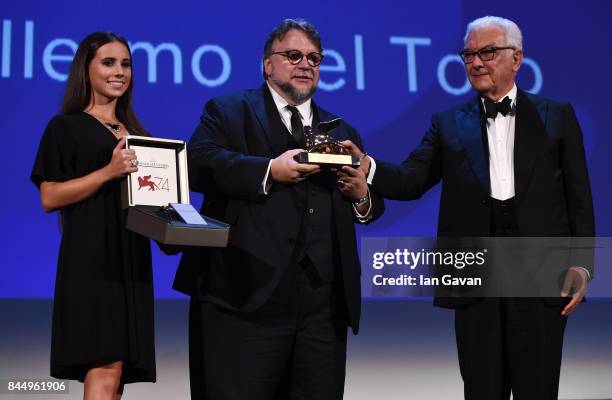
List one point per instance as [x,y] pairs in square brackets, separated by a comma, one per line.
[114,127]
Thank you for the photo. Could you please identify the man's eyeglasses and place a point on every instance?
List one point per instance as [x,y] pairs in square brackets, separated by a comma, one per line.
[485,54]
[295,57]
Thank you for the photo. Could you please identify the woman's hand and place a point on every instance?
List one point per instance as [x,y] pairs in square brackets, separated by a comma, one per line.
[123,161]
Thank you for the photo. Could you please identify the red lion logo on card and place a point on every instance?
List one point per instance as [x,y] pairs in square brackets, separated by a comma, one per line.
[144,181]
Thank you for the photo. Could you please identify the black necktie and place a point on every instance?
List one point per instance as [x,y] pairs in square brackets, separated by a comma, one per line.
[297,129]
[504,107]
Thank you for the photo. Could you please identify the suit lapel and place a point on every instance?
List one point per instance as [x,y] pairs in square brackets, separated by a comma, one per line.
[262,104]
[529,134]
[469,129]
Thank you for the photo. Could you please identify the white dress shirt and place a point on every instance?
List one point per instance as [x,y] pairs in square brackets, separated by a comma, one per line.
[500,136]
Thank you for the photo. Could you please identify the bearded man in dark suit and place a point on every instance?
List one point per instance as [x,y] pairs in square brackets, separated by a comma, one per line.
[269,314]
[511,164]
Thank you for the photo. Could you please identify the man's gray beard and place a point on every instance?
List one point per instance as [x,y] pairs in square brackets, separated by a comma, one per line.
[293,93]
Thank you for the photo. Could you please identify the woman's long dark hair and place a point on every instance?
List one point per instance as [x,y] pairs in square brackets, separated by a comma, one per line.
[78,88]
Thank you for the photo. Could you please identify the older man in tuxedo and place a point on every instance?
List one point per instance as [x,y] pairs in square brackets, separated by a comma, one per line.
[269,314]
[511,164]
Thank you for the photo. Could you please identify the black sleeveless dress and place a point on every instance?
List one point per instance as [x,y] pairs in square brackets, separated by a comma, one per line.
[103,304]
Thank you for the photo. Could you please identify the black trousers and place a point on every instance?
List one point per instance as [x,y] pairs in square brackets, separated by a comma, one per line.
[294,347]
[510,345]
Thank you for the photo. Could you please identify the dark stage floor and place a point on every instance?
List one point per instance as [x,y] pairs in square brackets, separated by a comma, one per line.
[405,350]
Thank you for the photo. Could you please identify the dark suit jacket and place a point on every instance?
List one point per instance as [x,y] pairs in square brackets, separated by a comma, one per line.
[228,157]
[552,190]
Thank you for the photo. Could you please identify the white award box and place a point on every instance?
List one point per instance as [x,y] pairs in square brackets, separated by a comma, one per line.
[162,180]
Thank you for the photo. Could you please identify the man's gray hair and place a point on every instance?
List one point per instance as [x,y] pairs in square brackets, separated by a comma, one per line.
[514,37]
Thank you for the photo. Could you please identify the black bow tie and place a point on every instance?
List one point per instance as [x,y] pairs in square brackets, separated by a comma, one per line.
[504,107]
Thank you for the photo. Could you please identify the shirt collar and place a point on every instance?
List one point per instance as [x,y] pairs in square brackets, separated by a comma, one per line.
[305,108]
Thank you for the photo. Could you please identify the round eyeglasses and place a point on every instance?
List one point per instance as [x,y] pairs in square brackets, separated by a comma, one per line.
[295,57]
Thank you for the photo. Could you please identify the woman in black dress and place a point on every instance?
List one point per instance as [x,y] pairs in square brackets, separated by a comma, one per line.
[103,307]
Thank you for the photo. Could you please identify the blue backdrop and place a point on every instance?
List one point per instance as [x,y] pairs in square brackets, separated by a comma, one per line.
[389,65]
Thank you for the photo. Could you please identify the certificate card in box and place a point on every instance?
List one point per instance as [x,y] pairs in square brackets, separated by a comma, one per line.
[157,195]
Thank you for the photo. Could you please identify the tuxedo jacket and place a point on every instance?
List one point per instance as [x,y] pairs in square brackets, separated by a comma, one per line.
[228,156]
[552,190]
